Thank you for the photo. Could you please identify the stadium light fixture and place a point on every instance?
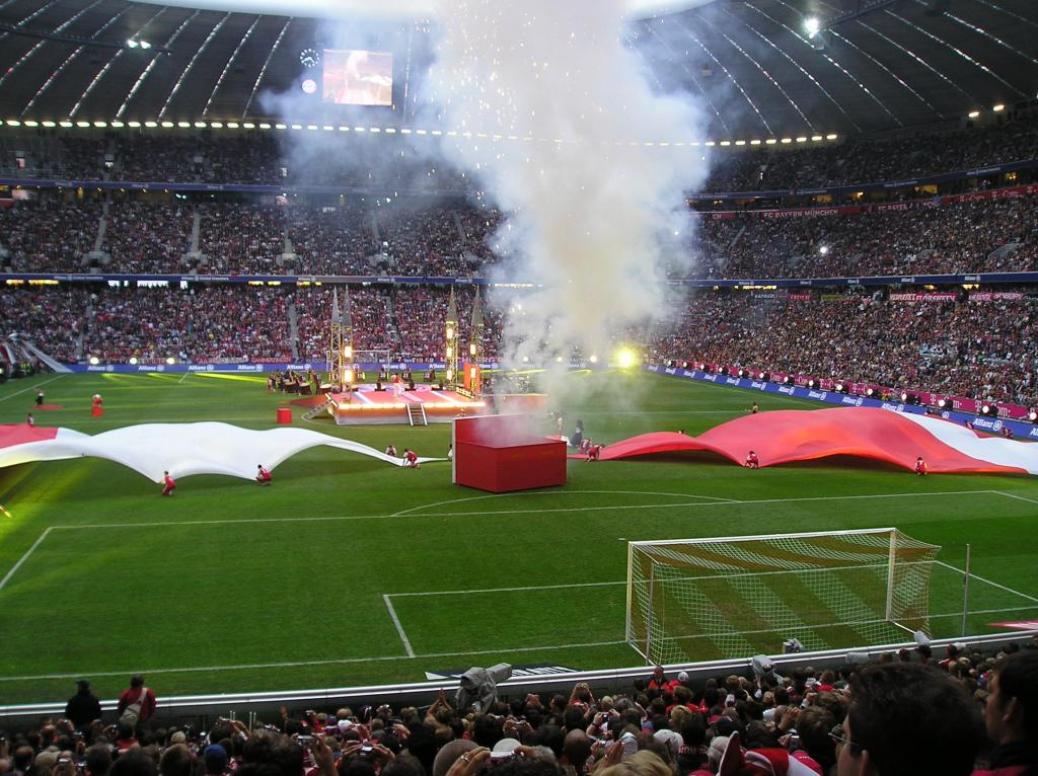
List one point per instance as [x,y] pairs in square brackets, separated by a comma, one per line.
[755,142]
[232,125]
[49,124]
[132,43]
[998,108]
[786,140]
[831,136]
[151,124]
[116,124]
[812,26]
[824,250]
[816,138]
[974,114]
[771,141]
[168,125]
[83,124]
[215,125]
[187,124]
[801,139]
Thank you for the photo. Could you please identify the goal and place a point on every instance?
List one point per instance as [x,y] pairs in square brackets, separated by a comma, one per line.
[702,599]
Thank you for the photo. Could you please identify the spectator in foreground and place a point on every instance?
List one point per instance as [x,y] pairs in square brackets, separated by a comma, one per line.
[1011,716]
[83,707]
[908,720]
[137,703]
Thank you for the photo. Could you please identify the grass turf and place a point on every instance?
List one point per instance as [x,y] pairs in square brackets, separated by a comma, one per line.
[230,587]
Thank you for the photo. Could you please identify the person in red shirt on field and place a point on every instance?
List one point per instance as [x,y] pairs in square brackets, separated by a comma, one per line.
[593,451]
[262,475]
[411,458]
[920,466]
[752,461]
[168,484]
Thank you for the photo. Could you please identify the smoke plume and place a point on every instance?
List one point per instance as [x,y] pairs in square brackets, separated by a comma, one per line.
[555,117]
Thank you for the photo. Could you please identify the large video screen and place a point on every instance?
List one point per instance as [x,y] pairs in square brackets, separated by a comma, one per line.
[358,77]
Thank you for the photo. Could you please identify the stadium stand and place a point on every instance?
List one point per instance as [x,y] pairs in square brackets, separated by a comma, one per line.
[663,724]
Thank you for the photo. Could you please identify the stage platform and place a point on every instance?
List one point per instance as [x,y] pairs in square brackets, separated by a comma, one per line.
[425,404]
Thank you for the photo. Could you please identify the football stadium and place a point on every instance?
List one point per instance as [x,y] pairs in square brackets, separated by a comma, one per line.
[622,388]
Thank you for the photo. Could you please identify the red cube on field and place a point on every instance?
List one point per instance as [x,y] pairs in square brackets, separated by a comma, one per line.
[497,453]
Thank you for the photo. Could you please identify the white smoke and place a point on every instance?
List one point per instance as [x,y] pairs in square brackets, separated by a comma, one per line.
[557,120]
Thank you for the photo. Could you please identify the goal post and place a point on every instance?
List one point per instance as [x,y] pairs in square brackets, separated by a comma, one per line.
[699,599]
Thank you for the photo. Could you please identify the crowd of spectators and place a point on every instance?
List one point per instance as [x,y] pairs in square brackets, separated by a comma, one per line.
[360,237]
[206,324]
[956,238]
[983,346]
[910,713]
[389,163]
[865,161]
[980,349]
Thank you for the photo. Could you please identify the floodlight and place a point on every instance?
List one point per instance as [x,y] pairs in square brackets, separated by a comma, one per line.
[626,358]
[812,26]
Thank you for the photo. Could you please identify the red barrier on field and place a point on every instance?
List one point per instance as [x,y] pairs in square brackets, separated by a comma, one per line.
[497,453]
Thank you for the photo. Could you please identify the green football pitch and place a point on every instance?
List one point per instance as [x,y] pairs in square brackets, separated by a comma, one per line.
[348,571]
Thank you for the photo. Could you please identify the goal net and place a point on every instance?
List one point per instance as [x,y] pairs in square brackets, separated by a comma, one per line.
[701,599]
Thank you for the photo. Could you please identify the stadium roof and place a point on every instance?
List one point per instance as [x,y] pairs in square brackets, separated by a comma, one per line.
[875,65]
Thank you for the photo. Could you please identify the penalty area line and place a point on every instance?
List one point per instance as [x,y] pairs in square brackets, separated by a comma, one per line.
[310,663]
[503,589]
[541,510]
[30,388]
[399,627]
[25,557]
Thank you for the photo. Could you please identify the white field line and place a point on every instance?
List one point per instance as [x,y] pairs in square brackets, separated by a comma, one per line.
[30,388]
[1018,498]
[481,513]
[987,581]
[984,611]
[183,378]
[399,627]
[504,589]
[411,510]
[304,663]
[25,557]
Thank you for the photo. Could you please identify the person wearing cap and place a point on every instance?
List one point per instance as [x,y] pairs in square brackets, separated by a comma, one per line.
[83,707]
[1011,716]
[215,757]
[906,718]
